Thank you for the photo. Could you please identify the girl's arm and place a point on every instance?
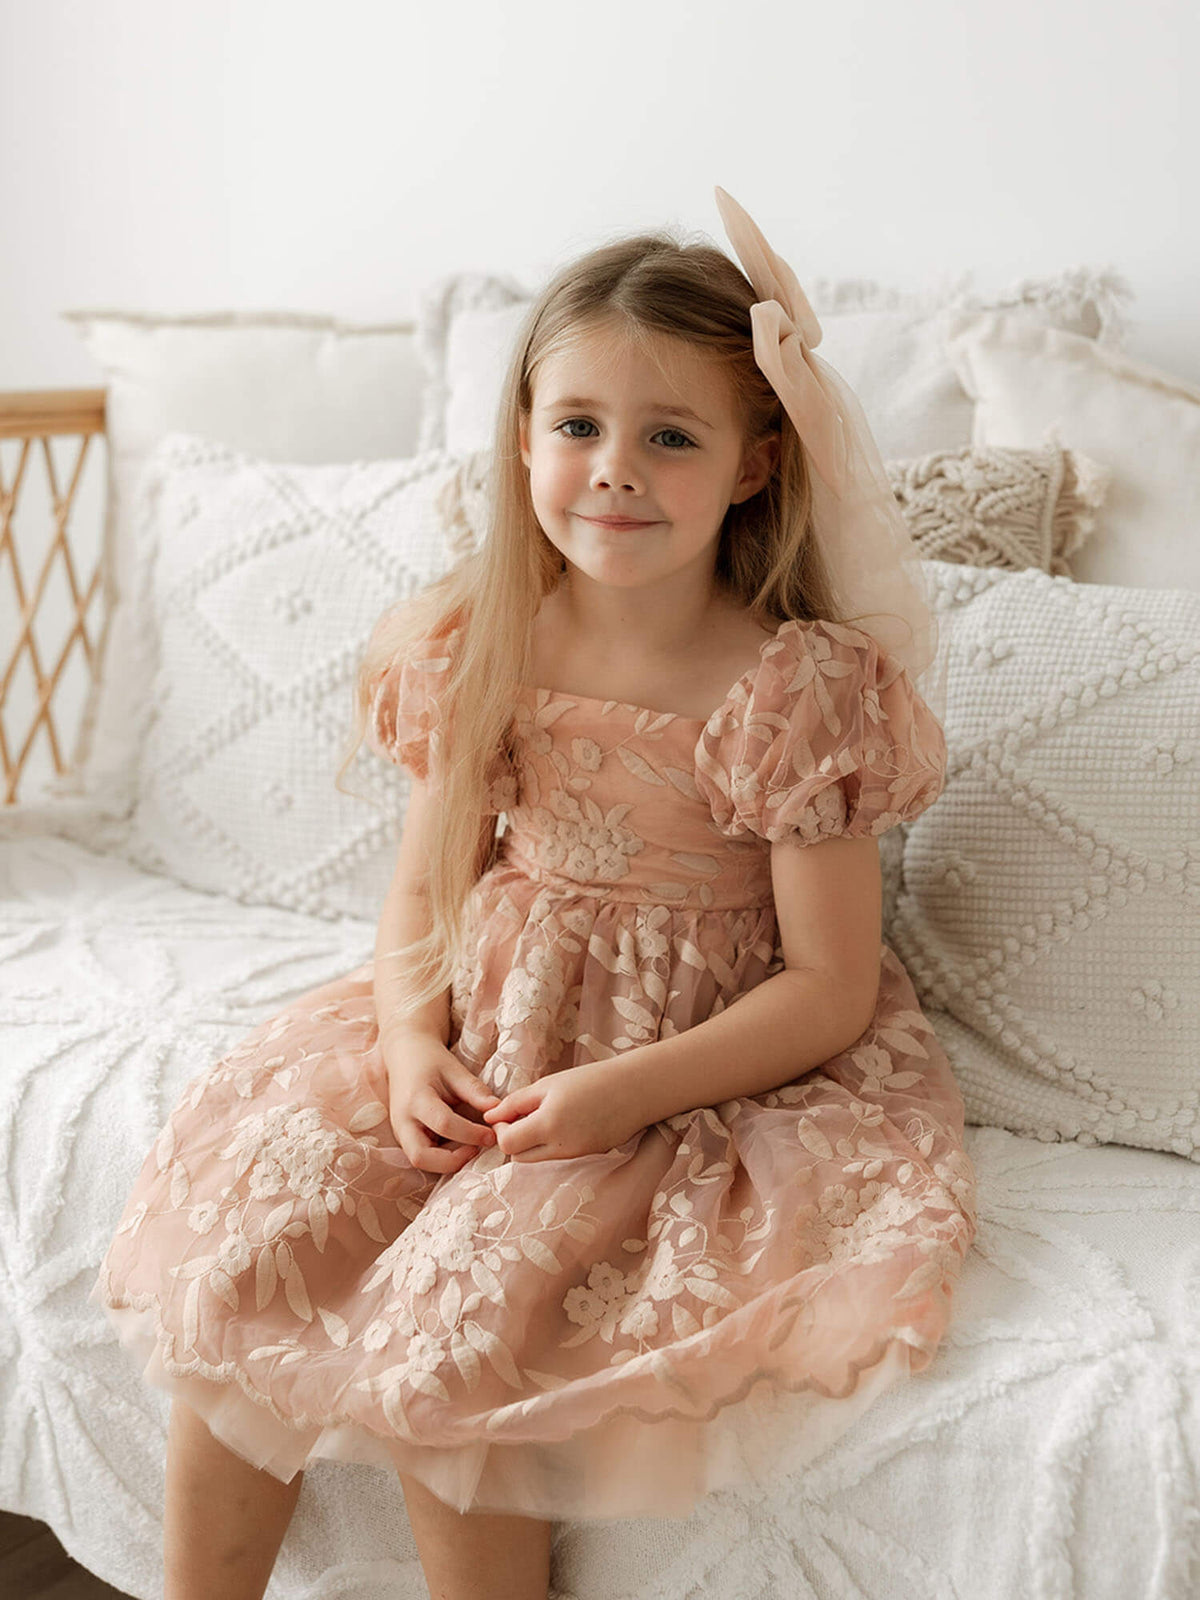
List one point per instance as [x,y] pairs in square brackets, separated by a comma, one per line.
[828,902]
[406,916]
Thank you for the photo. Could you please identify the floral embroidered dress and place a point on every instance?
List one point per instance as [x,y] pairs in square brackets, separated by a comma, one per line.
[712,1302]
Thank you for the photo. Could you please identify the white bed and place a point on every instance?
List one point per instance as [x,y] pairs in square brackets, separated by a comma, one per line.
[1050,1451]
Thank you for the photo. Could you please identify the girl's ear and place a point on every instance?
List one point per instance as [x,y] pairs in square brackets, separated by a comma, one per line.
[758,464]
[523,432]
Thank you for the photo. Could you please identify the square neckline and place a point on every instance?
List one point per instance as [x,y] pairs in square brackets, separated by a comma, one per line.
[676,716]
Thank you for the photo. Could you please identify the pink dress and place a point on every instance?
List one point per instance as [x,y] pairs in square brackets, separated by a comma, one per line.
[713,1301]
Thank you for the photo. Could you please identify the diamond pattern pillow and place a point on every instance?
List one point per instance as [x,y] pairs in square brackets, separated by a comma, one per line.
[259,585]
[1049,911]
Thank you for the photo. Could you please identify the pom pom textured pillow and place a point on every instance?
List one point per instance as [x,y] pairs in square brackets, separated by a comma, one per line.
[282,386]
[260,585]
[1049,912]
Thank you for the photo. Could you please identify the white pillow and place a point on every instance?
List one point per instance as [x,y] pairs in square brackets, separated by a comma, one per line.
[259,586]
[1031,385]
[282,386]
[886,343]
[1049,910]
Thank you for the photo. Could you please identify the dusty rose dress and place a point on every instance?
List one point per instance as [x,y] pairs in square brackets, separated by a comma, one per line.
[709,1303]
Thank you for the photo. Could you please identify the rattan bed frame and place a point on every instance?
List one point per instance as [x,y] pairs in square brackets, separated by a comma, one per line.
[30,416]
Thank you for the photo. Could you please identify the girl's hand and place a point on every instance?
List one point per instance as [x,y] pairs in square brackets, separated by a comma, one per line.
[428,1088]
[574,1112]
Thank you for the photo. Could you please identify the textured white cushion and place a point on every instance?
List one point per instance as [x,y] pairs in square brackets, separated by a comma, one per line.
[259,587]
[886,343]
[1043,1456]
[1031,384]
[283,386]
[1049,912]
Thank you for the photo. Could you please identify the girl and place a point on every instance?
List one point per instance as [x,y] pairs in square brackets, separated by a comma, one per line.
[630,1167]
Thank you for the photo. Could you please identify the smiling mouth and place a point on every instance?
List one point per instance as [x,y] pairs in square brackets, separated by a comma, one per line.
[617,526]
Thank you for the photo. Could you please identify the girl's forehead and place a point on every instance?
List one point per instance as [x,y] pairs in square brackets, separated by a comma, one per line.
[617,360]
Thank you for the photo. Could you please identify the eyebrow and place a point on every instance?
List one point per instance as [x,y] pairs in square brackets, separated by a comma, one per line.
[659,409]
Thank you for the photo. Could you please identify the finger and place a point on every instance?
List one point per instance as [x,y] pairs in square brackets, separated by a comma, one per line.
[440,1119]
[428,1157]
[473,1092]
[516,1138]
[512,1106]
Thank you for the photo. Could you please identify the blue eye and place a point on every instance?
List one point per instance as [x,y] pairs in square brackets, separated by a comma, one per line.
[687,444]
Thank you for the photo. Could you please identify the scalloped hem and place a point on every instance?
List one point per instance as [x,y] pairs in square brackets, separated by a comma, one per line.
[620,1467]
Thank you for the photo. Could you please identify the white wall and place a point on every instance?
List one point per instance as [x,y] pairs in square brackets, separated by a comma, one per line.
[200,154]
[184,155]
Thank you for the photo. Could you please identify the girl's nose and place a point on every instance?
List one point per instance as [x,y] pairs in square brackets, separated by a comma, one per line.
[617,473]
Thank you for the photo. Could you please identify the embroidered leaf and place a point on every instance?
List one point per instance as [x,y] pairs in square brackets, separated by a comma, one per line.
[180,1184]
[486,1280]
[639,768]
[465,1360]
[703,1289]
[683,1322]
[368,1116]
[899,1040]
[541,1255]
[368,1221]
[428,1384]
[926,1276]
[813,1139]
[273,1226]
[164,1150]
[297,1294]
[335,1326]
[224,1285]
[191,1315]
[266,1279]
[318,1217]
[195,1268]
[451,1303]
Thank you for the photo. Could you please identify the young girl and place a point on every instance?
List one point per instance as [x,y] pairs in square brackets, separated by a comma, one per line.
[630,1167]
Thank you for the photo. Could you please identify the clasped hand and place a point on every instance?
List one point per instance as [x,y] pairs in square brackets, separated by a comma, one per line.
[434,1100]
[576,1112]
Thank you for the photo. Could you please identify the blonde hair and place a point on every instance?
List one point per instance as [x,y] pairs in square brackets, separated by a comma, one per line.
[648,285]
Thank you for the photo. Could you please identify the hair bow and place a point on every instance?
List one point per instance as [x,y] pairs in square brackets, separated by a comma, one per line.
[785,332]
[874,567]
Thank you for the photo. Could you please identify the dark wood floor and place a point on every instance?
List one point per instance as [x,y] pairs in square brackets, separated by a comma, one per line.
[34,1566]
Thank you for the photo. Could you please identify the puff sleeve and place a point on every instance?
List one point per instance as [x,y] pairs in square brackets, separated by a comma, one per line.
[828,737]
[402,723]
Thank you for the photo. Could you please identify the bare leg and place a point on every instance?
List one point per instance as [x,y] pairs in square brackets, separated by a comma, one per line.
[224,1519]
[477,1555]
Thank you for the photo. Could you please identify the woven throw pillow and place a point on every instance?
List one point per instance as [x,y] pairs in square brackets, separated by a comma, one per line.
[282,386]
[1001,508]
[887,343]
[1049,913]
[260,585]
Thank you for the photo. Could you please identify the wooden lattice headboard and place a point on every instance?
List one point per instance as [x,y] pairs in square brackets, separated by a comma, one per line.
[37,417]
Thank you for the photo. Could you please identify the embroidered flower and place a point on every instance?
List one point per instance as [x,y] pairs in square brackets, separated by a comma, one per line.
[285,1144]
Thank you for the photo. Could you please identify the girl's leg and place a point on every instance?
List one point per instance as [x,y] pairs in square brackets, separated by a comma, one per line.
[477,1555]
[224,1519]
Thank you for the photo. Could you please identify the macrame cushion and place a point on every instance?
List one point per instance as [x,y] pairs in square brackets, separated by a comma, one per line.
[1049,906]
[260,585]
[988,507]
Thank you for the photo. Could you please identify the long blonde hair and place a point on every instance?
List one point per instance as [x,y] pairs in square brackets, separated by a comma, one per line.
[645,286]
